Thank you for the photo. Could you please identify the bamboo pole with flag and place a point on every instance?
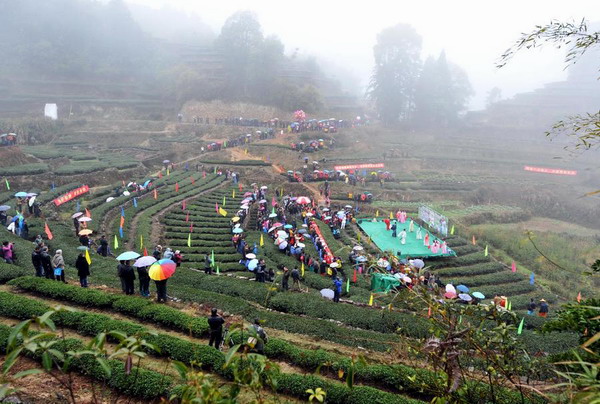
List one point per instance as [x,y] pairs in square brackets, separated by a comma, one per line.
[222,212]
[122,221]
[177,187]
[579,297]
[145,252]
[473,241]
[121,231]
[224,200]
[377,213]
[218,270]
[513,267]
[88,213]
[391,216]
[233,193]
[155,194]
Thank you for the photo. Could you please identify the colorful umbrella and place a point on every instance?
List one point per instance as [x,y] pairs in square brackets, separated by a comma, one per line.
[31,194]
[85,232]
[303,200]
[144,261]
[327,293]
[288,226]
[128,255]
[277,224]
[162,269]
[247,194]
[450,295]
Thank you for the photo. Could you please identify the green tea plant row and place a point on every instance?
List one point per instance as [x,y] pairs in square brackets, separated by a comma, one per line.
[172,347]
[400,378]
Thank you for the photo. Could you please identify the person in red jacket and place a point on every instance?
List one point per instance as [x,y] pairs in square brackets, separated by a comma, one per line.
[387,223]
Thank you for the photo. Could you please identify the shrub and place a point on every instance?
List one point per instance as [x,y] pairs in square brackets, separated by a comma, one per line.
[26,169]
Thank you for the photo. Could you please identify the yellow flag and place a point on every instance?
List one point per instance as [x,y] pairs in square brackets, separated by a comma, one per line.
[116,242]
[301,268]
[233,193]
[246,151]
[222,211]
[391,216]
[141,241]
[262,240]
[377,213]
[168,172]
[87,257]
[358,237]
[329,271]
[371,300]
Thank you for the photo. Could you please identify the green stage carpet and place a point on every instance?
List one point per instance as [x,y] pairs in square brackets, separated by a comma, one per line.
[413,248]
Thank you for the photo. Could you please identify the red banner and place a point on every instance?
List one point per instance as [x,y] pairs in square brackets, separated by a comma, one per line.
[358,166]
[71,195]
[555,171]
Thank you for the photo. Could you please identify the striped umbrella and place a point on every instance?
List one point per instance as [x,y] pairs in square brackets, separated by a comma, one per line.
[162,269]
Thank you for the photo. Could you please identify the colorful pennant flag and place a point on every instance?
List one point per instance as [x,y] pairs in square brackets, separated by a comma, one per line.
[168,172]
[240,187]
[160,174]
[520,329]
[122,212]
[141,241]
[273,202]
[50,236]
[121,232]
[223,200]
[508,305]
[358,237]
[189,240]
[187,217]
[87,257]
[429,312]
[513,267]
[122,221]
[191,227]
[183,204]
[377,213]
[391,216]
[354,279]
[301,267]
[88,213]
[176,187]
[145,252]
[218,270]
[217,207]
[116,243]
[203,174]
[212,258]
[193,180]
[473,241]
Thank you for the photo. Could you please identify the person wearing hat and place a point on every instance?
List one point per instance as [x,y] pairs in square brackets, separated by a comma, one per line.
[168,255]
[177,257]
[215,322]
[157,252]
[543,308]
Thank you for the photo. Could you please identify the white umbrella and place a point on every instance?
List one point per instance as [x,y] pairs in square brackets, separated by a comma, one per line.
[85,219]
[419,264]
[348,206]
[327,293]
[31,200]
[283,245]
[450,288]
[301,245]
[110,198]
[358,248]
[251,256]
[128,185]
[76,215]
[126,193]
[144,261]
[264,187]
[272,215]
[334,265]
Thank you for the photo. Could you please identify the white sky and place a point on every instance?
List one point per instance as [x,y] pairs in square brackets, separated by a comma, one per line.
[474,33]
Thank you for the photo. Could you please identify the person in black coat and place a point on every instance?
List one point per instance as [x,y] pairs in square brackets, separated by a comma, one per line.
[36,260]
[215,322]
[144,281]
[128,276]
[83,270]
[47,263]
[161,291]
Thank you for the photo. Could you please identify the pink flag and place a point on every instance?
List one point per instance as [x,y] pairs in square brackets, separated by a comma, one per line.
[273,202]
[191,227]
[513,267]
[183,205]
[217,207]
[187,217]
[203,174]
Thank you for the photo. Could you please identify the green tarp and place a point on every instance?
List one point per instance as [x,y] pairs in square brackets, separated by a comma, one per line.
[383,282]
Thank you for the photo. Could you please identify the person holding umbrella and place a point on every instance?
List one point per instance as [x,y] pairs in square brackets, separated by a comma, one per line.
[160,272]
[83,269]
[142,264]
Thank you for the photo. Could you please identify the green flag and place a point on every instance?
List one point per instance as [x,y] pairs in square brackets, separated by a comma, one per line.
[212,258]
[218,272]
[190,240]
[520,329]
[116,242]
[7,184]
[509,305]
[347,285]
[215,170]
[452,230]
[485,252]
[223,200]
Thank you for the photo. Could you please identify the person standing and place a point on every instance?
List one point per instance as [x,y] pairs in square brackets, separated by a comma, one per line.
[76,224]
[261,268]
[120,273]
[286,277]
[161,291]
[128,278]
[387,223]
[261,337]
[144,281]
[394,227]
[157,252]
[8,252]
[178,258]
[36,260]
[403,237]
[58,262]
[337,289]
[296,279]
[531,307]
[207,265]
[83,270]
[215,322]
[47,263]
[543,308]
[103,249]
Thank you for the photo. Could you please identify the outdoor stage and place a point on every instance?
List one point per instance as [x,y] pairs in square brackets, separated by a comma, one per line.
[413,248]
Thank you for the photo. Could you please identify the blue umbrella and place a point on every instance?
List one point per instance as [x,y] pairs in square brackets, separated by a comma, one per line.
[128,255]
[288,226]
[21,194]
[146,183]
[238,230]
[462,288]
[478,295]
